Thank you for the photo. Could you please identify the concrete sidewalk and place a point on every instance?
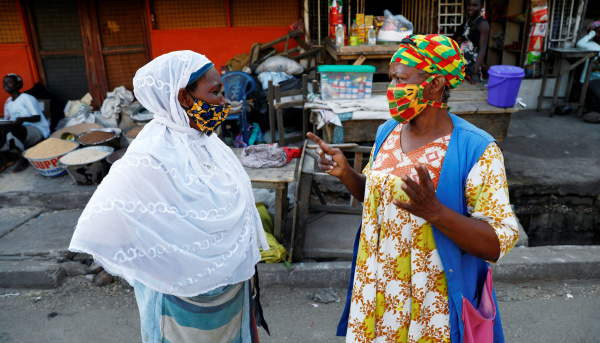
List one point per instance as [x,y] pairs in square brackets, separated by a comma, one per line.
[547,159]
[32,255]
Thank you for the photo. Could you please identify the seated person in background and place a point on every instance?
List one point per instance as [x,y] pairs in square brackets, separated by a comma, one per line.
[591,41]
[29,126]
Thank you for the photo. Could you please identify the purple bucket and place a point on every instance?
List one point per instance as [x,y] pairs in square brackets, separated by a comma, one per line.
[503,85]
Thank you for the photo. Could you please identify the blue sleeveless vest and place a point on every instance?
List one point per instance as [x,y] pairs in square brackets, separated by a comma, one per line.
[465,273]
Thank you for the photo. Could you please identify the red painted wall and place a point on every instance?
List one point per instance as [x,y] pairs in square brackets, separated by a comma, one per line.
[218,44]
[15,58]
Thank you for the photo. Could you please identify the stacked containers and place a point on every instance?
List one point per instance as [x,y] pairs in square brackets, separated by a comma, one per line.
[346,81]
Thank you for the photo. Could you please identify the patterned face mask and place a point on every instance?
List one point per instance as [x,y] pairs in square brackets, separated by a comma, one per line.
[208,117]
[406,100]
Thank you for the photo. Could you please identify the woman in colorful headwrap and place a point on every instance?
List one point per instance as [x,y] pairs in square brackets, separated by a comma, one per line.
[591,41]
[436,208]
[28,124]
[175,217]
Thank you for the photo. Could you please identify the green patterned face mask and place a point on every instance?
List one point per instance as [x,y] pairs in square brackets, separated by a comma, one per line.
[406,100]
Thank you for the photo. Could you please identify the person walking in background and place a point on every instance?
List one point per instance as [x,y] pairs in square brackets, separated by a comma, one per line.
[175,217]
[436,211]
[473,37]
[28,125]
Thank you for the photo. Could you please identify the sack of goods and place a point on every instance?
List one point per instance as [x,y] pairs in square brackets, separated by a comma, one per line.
[395,28]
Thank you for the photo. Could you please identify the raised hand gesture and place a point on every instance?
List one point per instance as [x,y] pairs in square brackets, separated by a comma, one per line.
[422,199]
[331,160]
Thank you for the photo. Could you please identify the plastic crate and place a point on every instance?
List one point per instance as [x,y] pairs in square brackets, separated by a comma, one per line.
[346,82]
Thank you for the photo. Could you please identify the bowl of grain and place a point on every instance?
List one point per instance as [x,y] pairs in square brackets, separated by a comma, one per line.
[76,129]
[131,133]
[115,156]
[87,165]
[96,137]
[44,156]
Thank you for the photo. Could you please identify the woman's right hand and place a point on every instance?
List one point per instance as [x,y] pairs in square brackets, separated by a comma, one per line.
[332,160]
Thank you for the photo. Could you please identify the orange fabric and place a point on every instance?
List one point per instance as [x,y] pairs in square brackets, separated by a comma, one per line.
[392,160]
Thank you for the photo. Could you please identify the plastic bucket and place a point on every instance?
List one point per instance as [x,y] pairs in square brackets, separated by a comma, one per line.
[503,85]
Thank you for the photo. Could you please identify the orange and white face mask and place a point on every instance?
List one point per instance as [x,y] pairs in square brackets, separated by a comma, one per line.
[406,100]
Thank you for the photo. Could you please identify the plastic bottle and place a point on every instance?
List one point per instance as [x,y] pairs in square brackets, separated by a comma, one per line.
[354,33]
[334,7]
[325,87]
[372,37]
[339,35]
[333,20]
[361,89]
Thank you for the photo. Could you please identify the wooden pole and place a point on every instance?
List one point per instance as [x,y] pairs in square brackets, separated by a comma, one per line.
[319,21]
[295,213]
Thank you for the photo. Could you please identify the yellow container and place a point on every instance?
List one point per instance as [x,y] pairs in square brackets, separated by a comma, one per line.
[362,35]
[368,20]
[360,19]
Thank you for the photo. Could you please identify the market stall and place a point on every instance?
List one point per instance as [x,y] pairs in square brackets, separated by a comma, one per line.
[376,55]
[352,121]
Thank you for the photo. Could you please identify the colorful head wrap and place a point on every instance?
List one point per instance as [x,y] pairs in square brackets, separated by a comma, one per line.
[435,54]
[593,25]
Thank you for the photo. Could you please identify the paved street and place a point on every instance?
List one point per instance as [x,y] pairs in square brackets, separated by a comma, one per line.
[549,311]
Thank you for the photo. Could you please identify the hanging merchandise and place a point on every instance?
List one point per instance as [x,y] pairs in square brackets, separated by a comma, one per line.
[539,11]
[539,26]
[537,35]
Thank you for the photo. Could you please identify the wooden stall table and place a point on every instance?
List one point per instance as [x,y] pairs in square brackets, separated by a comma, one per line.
[467,101]
[378,56]
[580,56]
[277,179]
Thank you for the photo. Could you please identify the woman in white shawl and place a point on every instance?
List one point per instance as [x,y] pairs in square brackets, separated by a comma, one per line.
[175,217]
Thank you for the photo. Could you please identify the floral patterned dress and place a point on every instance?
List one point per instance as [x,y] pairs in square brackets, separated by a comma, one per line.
[400,290]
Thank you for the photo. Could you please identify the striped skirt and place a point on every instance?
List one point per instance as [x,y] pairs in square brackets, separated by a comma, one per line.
[221,315]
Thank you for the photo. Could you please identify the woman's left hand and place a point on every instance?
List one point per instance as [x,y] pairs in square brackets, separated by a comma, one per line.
[423,202]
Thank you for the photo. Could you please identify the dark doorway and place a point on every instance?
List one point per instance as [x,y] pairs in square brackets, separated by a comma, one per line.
[88,46]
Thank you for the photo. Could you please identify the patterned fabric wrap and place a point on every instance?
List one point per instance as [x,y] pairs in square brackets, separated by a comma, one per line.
[224,314]
[406,100]
[208,117]
[435,54]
